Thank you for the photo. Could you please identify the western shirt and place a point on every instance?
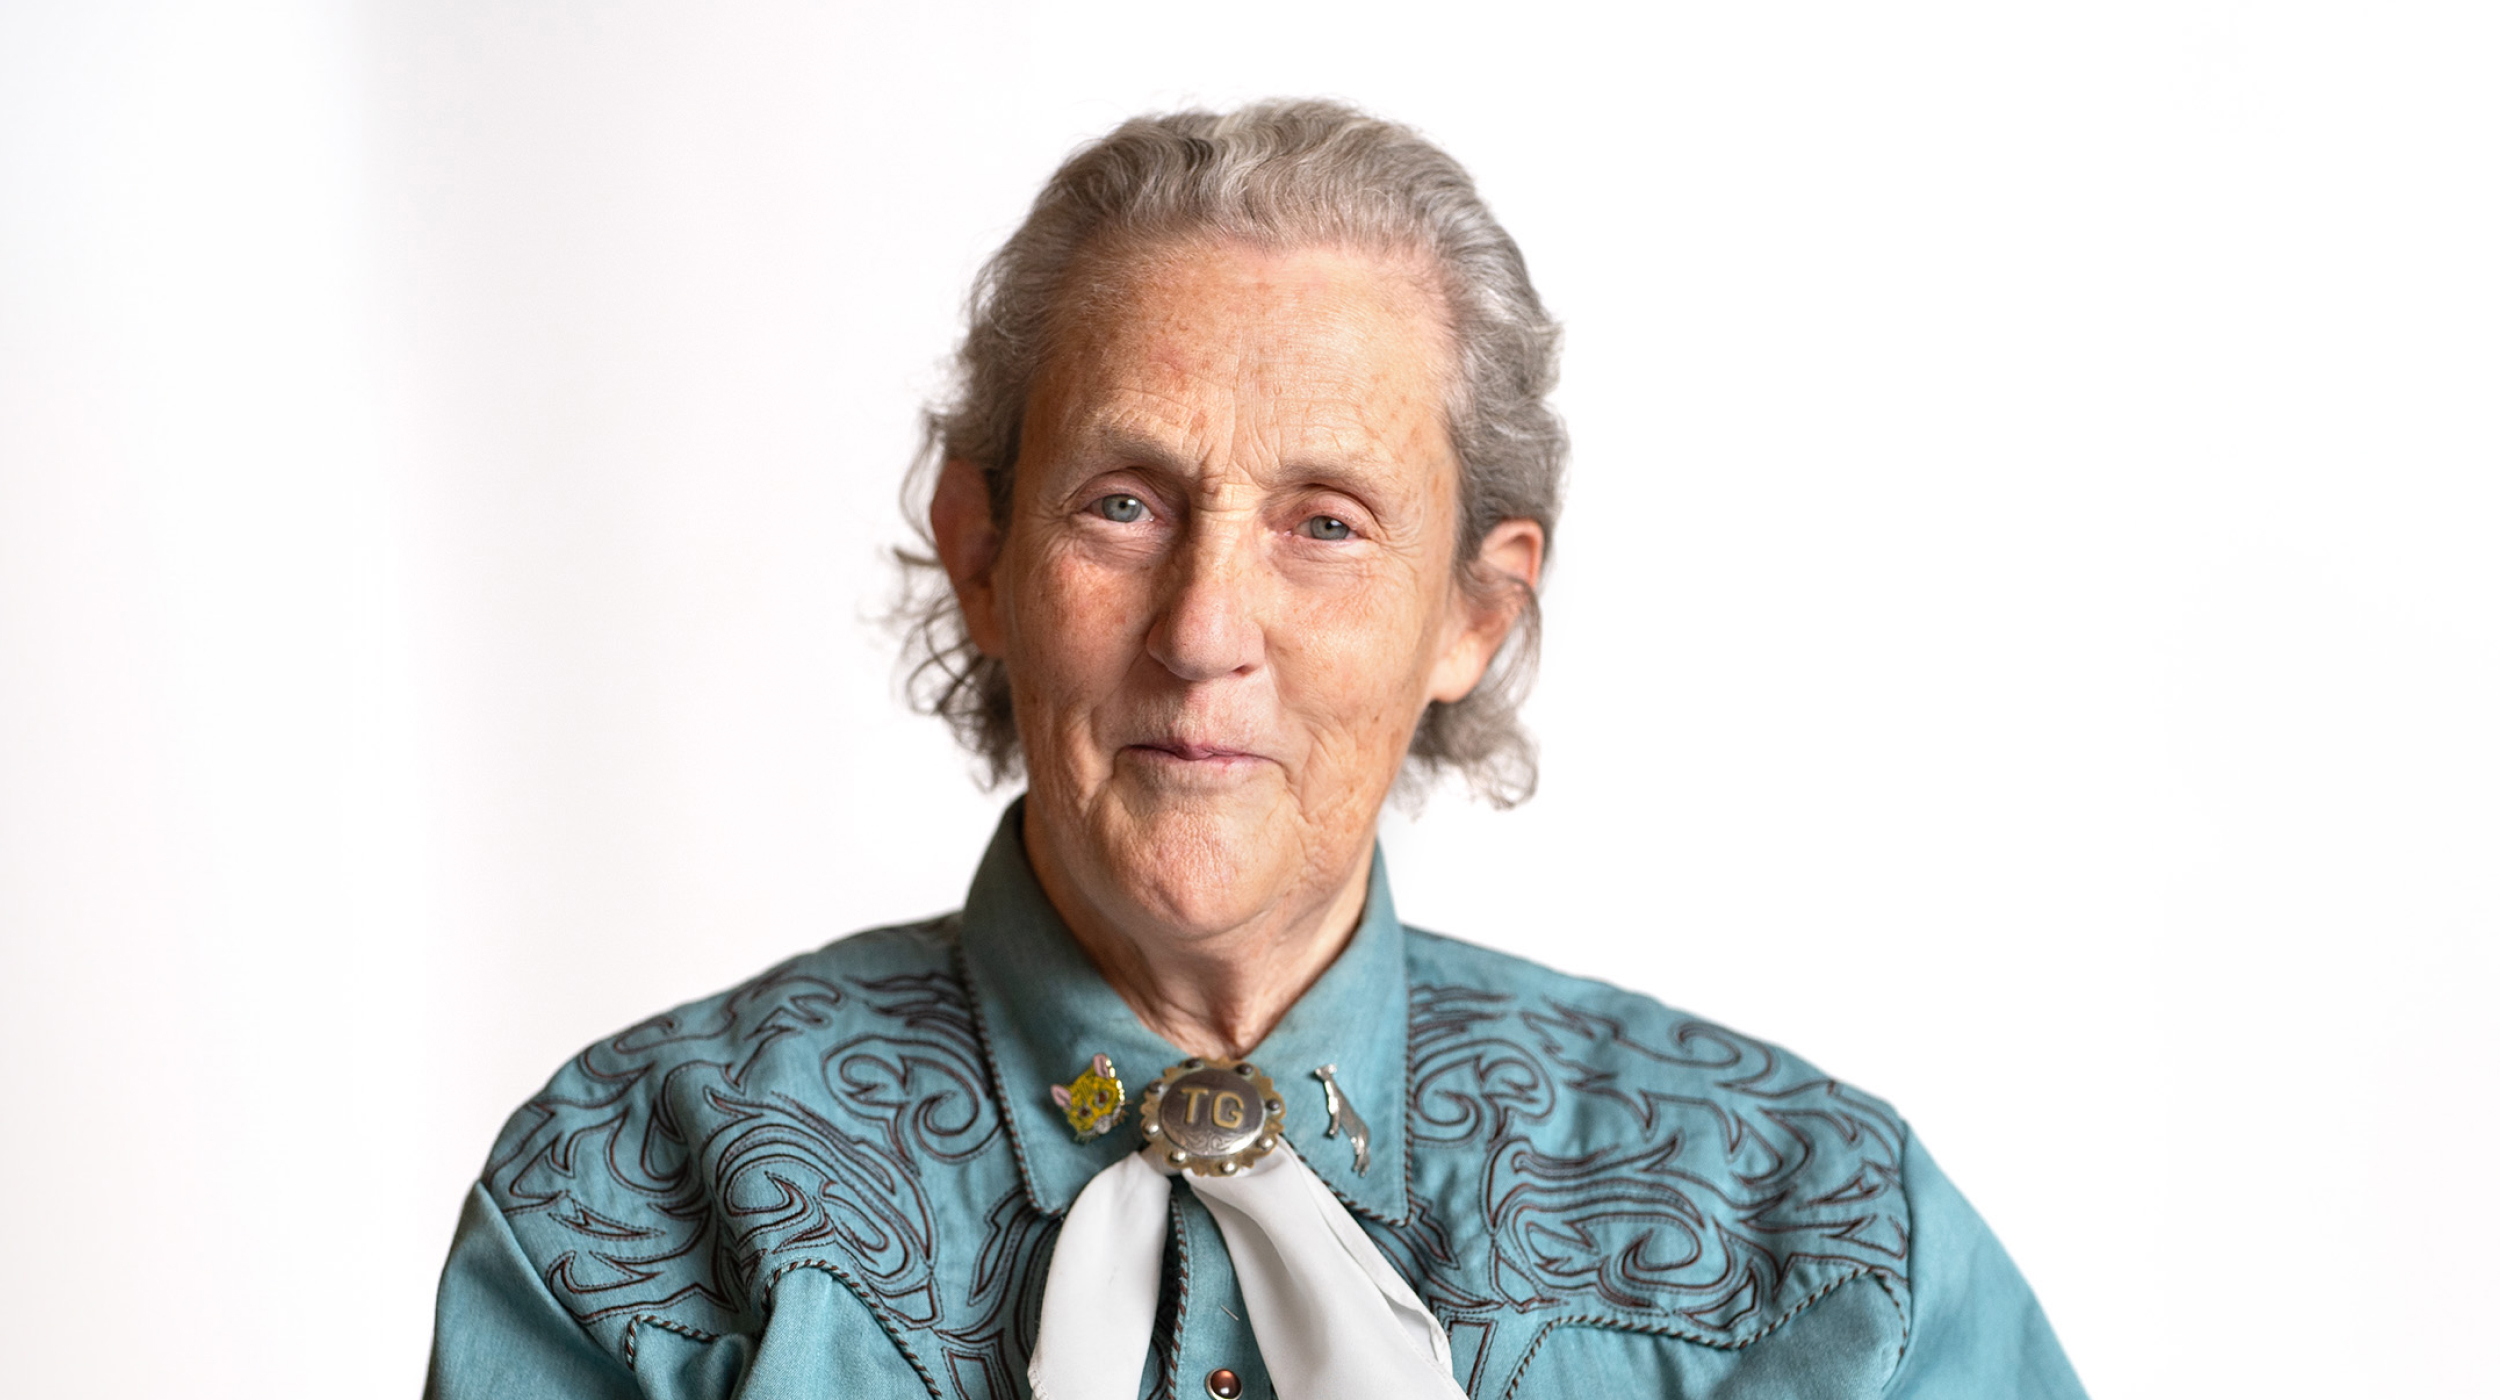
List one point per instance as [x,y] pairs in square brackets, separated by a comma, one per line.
[844,1177]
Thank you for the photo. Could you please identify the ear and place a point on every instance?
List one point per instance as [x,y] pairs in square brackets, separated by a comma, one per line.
[1514,552]
[967,545]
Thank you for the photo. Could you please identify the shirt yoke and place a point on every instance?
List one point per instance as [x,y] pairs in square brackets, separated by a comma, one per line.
[1583,1156]
[834,1113]
[1577,1156]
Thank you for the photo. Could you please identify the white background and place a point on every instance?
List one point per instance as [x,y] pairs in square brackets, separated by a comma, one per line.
[2024,633]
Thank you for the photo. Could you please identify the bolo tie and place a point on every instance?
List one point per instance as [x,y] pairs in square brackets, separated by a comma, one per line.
[1332,1318]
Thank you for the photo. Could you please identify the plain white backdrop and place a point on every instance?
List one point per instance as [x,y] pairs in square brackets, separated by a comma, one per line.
[2026,631]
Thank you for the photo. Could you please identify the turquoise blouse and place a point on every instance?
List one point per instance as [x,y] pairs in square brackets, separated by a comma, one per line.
[843,1179]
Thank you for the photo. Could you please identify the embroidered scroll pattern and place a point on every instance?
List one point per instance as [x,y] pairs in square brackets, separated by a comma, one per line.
[1672,1177]
[807,1119]
[1580,1158]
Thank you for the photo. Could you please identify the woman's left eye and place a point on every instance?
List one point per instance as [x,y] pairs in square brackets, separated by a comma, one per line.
[1327,527]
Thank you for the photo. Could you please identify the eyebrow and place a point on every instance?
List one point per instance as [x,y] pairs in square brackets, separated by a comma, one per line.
[1352,474]
[1104,440]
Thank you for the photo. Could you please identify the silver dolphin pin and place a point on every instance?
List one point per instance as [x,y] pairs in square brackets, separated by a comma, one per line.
[1341,1114]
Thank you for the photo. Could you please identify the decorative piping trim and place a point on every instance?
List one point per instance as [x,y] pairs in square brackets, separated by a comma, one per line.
[1617,1324]
[1168,1347]
[893,1326]
[989,1065]
[681,1329]
[1900,1305]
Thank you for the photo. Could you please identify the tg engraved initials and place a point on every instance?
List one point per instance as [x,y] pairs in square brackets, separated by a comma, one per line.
[1231,1110]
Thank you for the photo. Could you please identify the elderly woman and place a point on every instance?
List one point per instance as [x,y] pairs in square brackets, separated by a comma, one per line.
[1241,508]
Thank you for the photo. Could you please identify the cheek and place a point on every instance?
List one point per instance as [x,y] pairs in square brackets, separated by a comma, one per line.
[1363,658]
[1071,629]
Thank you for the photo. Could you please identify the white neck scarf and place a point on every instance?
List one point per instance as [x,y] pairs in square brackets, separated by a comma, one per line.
[1332,1318]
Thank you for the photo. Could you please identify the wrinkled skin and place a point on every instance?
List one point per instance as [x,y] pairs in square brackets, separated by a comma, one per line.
[1225,593]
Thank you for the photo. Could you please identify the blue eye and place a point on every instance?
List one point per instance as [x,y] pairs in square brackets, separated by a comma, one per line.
[1327,527]
[1122,509]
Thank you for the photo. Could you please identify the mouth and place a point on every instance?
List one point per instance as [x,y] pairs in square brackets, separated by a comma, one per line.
[1206,758]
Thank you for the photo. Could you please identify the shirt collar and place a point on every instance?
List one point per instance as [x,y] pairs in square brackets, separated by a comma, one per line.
[1045,1012]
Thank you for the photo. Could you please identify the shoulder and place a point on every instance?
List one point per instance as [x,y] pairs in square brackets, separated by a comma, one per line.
[1641,1167]
[668,1170]
[738,1036]
[1617,1042]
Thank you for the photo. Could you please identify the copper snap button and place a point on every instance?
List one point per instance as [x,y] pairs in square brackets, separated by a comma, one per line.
[1223,1384]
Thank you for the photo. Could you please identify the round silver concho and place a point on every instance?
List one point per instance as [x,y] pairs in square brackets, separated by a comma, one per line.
[1212,1116]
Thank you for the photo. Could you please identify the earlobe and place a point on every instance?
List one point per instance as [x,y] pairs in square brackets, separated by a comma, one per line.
[967,544]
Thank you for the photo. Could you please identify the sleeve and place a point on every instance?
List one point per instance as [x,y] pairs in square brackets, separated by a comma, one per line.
[1976,1333]
[498,1332]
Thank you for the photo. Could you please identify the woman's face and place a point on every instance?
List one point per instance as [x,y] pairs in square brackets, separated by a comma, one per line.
[1226,589]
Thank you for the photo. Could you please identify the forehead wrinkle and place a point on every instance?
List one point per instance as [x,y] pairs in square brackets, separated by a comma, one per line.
[1110,440]
[1412,293]
[1333,422]
[1149,428]
[1197,388]
[1272,439]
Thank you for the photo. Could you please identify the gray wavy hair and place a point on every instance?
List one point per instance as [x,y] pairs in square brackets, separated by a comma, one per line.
[1277,174]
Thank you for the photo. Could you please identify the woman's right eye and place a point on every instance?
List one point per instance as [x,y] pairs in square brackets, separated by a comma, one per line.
[1120,508]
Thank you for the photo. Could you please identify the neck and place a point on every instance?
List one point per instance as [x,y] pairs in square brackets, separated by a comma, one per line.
[1209,992]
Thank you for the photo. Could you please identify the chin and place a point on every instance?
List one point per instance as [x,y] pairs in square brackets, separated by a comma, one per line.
[1207,861]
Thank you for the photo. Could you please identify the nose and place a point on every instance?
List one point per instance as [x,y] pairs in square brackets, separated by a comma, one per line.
[1210,625]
